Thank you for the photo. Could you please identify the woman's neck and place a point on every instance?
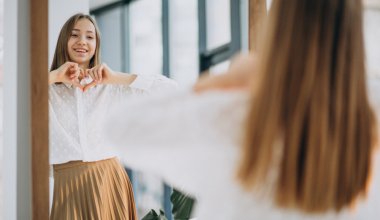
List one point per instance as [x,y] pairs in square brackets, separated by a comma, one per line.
[84,66]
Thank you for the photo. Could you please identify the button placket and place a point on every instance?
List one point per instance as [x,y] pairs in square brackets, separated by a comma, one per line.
[82,129]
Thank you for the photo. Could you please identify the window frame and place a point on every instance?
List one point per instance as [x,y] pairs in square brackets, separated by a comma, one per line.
[207,57]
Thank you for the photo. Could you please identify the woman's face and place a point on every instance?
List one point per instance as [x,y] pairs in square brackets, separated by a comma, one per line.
[82,43]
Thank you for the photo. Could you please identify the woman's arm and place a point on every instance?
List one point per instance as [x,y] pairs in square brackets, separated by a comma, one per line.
[102,74]
[239,76]
[181,136]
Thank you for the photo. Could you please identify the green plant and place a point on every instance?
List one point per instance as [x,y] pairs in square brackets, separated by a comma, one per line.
[182,208]
[182,205]
[152,215]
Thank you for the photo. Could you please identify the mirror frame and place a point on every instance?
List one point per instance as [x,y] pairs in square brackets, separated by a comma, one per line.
[39,108]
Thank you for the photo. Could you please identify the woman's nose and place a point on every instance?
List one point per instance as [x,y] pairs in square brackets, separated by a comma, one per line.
[81,41]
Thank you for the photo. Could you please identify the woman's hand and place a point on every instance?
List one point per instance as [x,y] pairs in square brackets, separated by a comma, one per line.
[102,74]
[99,74]
[68,72]
[239,76]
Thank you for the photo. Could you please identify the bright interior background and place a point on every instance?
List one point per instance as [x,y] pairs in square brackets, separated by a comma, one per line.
[145,51]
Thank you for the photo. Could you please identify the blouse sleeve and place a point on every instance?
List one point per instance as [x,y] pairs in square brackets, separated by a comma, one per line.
[182,137]
[143,85]
[153,83]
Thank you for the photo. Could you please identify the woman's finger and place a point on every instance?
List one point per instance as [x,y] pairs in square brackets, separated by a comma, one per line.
[77,84]
[90,85]
[73,76]
[95,74]
[73,71]
[92,75]
[87,73]
[80,74]
[100,73]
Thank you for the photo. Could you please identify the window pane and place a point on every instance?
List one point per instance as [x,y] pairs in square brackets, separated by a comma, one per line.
[218,23]
[145,37]
[183,38]
[109,25]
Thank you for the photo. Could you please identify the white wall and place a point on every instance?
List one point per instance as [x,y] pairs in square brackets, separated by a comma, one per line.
[59,12]
[372,41]
[17,159]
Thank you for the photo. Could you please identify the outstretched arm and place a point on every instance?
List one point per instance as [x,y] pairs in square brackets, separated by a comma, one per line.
[182,136]
[240,75]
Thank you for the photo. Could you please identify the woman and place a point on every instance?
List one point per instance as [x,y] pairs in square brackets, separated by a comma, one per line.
[89,181]
[298,143]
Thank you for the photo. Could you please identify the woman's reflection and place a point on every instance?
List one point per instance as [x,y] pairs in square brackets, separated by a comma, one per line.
[89,181]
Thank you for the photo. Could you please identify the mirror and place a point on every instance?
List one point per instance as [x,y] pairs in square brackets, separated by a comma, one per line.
[164,34]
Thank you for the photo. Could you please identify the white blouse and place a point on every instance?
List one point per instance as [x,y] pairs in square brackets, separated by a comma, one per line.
[76,118]
[193,141]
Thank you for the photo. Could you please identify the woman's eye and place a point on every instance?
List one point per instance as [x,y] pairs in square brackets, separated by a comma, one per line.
[90,37]
[74,35]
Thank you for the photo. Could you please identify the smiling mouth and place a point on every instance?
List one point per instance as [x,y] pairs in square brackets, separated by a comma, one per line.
[80,50]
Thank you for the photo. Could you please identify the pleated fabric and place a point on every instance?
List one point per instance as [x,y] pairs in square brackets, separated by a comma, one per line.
[92,190]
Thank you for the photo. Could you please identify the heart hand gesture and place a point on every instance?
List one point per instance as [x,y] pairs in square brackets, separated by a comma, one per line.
[69,72]
[101,74]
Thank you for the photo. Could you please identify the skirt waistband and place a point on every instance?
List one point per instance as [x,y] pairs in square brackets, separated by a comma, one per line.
[81,163]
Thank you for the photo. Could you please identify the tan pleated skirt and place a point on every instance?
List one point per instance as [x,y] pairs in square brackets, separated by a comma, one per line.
[92,190]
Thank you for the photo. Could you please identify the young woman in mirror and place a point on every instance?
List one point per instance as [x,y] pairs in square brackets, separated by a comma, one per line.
[89,181]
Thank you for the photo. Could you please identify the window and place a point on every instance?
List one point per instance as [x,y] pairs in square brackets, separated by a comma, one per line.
[183,41]
[145,37]
[219,31]
[111,53]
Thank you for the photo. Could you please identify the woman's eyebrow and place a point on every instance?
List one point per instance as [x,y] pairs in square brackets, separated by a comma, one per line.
[89,31]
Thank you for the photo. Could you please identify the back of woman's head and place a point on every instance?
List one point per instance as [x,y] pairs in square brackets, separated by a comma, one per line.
[312,98]
[61,54]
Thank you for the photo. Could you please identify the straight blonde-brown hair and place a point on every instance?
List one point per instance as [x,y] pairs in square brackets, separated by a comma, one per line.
[61,54]
[312,97]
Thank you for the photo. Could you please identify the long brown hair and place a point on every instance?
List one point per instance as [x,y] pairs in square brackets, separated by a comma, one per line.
[312,97]
[61,54]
